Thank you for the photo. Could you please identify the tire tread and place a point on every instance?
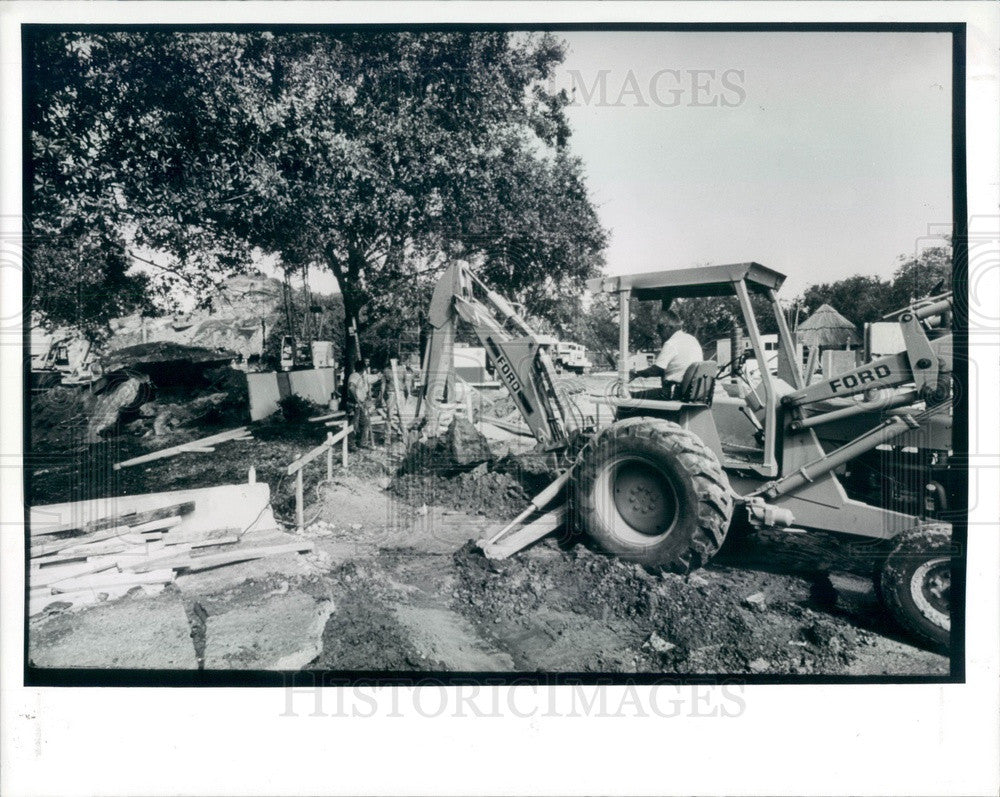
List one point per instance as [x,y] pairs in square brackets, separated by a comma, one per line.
[710,485]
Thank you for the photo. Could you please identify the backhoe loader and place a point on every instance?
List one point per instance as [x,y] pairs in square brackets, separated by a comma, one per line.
[667,479]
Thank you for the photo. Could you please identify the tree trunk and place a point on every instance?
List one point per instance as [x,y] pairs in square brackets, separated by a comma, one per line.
[347,280]
[351,353]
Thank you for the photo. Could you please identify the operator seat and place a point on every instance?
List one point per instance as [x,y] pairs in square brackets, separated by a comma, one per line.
[697,386]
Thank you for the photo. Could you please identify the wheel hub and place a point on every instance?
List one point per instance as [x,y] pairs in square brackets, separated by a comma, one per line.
[930,587]
[644,498]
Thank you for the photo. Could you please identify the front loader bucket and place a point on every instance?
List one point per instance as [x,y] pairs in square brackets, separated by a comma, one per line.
[507,543]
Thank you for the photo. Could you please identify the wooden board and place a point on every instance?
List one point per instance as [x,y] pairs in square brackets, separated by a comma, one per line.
[328,416]
[194,563]
[49,576]
[317,452]
[192,445]
[95,581]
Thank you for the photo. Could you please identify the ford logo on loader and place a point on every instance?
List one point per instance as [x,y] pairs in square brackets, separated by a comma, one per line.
[865,375]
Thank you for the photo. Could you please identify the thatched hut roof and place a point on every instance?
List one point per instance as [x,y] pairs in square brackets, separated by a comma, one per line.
[827,328]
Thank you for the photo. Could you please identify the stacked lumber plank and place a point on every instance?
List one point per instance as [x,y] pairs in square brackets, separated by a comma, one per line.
[145,541]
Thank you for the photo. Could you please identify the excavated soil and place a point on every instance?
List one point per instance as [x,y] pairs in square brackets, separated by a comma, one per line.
[559,610]
[718,620]
[488,493]
[395,584]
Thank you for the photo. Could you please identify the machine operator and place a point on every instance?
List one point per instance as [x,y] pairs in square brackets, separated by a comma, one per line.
[679,351]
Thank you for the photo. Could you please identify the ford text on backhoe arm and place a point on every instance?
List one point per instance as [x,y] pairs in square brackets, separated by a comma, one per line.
[663,484]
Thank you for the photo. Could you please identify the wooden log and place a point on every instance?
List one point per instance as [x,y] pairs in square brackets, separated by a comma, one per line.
[120,535]
[230,540]
[166,557]
[204,442]
[94,548]
[66,558]
[126,519]
[197,536]
[343,446]
[173,555]
[157,525]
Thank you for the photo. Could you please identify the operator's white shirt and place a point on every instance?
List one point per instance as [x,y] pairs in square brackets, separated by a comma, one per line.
[678,352]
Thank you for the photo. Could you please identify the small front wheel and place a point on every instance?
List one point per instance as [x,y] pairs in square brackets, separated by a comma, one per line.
[915,583]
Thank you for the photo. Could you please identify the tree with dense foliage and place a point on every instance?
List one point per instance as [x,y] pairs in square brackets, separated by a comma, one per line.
[926,274]
[863,299]
[376,155]
[859,298]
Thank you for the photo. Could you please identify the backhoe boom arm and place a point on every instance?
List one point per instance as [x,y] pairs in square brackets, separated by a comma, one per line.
[512,348]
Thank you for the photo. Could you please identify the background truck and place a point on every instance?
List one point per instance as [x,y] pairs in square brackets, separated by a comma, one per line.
[571,357]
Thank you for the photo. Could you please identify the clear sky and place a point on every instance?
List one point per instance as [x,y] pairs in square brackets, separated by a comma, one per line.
[834,158]
[824,155]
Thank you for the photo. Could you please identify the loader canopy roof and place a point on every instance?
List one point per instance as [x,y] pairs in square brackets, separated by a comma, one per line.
[685,282]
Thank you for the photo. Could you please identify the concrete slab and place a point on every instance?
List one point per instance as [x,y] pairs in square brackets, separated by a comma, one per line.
[282,631]
[242,506]
[134,632]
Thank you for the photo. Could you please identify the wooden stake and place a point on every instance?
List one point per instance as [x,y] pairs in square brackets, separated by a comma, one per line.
[329,456]
[299,511]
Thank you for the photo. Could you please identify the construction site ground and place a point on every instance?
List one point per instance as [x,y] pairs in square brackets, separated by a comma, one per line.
[395,584]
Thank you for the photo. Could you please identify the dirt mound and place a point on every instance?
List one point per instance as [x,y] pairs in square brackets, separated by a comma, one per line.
[500,489]
[59,418]
[363,633]
[717,620]
[459,448]
[477,492]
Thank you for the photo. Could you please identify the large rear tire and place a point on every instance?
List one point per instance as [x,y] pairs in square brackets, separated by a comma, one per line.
[650,491]
[915,583]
